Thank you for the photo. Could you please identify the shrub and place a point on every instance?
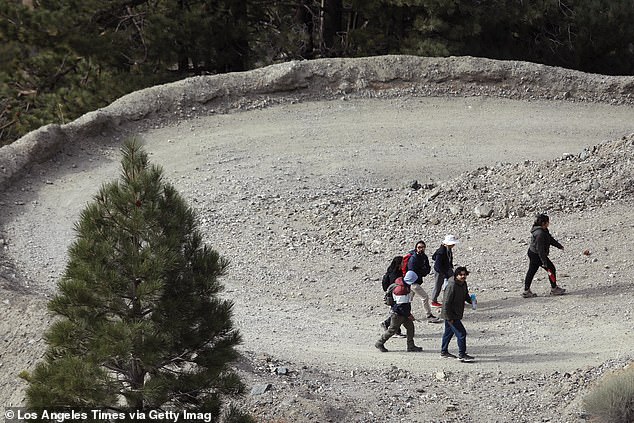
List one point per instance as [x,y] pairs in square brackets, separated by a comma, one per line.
[612,400]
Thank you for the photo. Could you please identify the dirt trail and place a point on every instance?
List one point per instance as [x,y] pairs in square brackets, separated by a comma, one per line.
[296,194]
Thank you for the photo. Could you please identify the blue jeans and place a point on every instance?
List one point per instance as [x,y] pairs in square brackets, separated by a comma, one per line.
[451,329]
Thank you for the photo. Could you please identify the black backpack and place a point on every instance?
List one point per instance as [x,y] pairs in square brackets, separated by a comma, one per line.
[385,283]
[388,298]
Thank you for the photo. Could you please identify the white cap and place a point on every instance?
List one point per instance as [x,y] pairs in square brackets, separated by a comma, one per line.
[410,277]
[450,240]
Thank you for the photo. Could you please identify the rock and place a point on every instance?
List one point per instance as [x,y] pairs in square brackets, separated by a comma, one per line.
[483,210]
[433,194]
[281,370]
[260,389]
[454,209]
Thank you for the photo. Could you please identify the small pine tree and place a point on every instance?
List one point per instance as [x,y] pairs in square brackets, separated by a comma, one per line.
[140,322]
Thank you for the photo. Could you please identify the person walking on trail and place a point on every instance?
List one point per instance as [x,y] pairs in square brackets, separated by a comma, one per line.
[456,294]
[443,266]
[401,315]
[538,251]
[392,273]
[419,264]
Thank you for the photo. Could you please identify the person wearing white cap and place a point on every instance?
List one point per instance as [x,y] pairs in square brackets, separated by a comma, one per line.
[443,266]
[401,313]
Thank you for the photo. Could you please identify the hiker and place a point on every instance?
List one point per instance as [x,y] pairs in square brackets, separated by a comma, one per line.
[419,263]
[392,272]
[538,250]
[456,294]
[443,266]
[401,314]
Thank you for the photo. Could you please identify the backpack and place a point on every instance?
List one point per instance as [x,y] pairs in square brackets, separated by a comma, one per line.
[388,298]
[385,282]
[406,258]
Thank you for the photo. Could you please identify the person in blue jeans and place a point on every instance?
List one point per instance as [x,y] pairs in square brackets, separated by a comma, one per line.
[456,295]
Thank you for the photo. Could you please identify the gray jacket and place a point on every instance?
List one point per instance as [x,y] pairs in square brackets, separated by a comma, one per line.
[453,302]
[541,240]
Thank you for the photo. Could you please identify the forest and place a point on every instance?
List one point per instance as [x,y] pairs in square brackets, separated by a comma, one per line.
[62,58]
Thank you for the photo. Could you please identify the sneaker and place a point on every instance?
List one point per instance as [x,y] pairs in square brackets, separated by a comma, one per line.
[466,358]
[433,319]
[436,304]
[528,294]
[447,354]
[557,291]
[380,347]
[414,348]
[400,335]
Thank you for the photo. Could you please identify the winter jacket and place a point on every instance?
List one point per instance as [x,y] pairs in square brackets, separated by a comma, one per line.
[456,294]
[402,299]
[395,274]
[419,263]
[541,240]
[443,261]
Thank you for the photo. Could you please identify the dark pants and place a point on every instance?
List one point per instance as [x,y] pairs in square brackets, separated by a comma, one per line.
[439,282]
[387,322]
[451,329]
[534,264]
[395,324]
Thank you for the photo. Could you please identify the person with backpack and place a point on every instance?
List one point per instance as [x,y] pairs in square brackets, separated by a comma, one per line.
[456,295]
[443,266]
[392,273]
[401,313]
[538,251]
[418,262]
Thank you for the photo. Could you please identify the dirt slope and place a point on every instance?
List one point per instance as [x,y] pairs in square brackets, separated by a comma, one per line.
[303,171]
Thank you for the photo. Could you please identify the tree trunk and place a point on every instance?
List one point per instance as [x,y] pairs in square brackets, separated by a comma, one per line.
[238,50]
[304,19]
[330,25]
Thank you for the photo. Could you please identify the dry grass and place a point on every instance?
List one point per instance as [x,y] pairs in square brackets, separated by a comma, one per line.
[612,400]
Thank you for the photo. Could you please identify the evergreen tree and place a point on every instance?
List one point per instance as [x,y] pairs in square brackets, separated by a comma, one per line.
[141,325]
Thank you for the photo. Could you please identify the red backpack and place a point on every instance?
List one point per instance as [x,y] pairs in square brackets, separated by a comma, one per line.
[406,258]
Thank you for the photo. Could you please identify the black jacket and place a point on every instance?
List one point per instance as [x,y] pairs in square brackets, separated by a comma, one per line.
[443,261]
[541,240]
[419,263]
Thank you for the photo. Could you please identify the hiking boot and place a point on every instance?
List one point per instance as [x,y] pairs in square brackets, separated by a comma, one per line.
[466,358]
[433,319]
[528,294]
[436,304]
[447,354]
[380,347]
[414,348]
[557,291]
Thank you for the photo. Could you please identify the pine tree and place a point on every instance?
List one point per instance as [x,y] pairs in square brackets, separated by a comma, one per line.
[141,325]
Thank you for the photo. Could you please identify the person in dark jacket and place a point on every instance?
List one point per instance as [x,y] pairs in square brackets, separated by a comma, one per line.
[401,314]
[538,251]
[443,266]
[419,263]
[393,272]
[456,295]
